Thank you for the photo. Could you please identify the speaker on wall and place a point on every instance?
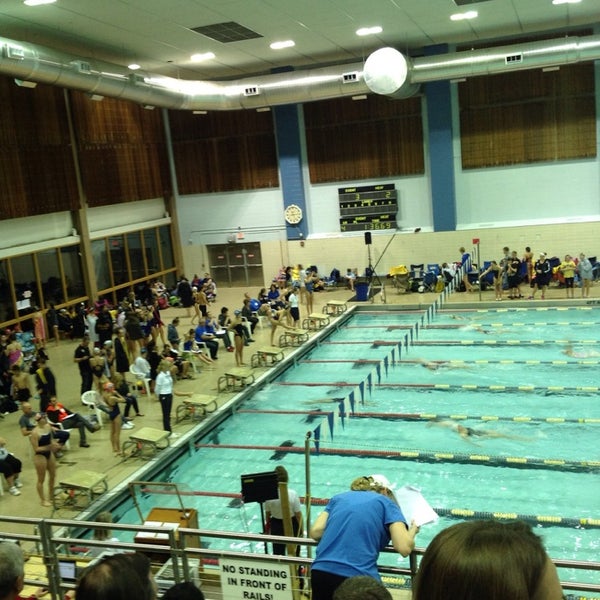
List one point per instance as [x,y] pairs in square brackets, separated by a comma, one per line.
[368,238]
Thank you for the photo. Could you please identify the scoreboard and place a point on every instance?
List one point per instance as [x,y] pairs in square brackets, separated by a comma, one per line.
[368,207]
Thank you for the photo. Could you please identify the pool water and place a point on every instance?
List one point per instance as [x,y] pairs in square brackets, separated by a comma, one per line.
[388,391]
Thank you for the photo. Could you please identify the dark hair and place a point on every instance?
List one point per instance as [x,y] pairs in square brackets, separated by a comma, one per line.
[117,577]
[282,474]
[482,559]
[183,591]
[361,587]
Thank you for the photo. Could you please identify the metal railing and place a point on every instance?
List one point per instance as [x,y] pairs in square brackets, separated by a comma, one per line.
[53,538]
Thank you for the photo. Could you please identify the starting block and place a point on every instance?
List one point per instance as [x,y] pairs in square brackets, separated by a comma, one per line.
[266,356]
[235,379]
[335,307]
[316,321]
[196,408]
[147,438]
[293,337]
[84,485]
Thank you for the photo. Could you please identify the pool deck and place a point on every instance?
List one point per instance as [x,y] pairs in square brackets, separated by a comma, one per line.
[116,469]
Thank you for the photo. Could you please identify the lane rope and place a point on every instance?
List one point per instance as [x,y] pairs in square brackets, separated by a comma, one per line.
[560,464]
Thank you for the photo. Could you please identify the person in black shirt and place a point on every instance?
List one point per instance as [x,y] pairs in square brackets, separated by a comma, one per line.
[82,358]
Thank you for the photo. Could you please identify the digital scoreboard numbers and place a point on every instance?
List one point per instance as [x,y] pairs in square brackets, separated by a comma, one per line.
[368,207]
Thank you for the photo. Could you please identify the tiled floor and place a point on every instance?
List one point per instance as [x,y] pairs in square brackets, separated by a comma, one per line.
[99,456]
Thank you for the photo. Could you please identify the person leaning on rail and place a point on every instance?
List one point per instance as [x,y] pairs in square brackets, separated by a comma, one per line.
[354,527]
[486,559]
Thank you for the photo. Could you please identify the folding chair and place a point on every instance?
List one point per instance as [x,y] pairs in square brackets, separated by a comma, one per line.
[91,400]
[141,377]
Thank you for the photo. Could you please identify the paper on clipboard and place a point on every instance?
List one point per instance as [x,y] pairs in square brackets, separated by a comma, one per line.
[414,506]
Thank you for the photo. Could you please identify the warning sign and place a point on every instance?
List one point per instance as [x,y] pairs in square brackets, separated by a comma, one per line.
[255,580]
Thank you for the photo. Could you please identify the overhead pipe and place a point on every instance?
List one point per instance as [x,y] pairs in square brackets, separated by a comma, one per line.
[29,62]
[386,71]
[390,73]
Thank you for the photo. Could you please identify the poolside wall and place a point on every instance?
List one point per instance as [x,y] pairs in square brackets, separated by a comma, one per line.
[414,248]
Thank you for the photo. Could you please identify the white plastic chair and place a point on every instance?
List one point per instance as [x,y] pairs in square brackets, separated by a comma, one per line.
[90,399]
[141,377]
[67,444]
[247,325]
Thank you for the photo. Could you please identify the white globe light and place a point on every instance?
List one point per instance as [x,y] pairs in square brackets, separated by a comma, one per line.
[385,71]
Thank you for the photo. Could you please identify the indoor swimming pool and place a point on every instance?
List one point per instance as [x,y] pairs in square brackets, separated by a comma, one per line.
[368,394]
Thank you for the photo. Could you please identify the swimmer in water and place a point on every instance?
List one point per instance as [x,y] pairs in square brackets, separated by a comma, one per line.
[570,351]
[467,433]
[435,365]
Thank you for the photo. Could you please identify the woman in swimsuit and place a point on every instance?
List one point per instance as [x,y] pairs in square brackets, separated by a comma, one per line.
[97,366]
[237,327]
[44,446]
[112,398]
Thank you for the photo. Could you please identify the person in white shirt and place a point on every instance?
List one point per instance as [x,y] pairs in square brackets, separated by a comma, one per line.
[164,390]
[142,365]
[274,513]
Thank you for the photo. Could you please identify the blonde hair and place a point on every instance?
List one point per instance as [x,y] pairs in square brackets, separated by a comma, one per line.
[368,484]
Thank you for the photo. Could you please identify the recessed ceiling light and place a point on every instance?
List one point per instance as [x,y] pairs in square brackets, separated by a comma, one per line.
[38,2]
[369,30]
[134,66]
[203,56]
[470,14]
[566,1]
[281,45]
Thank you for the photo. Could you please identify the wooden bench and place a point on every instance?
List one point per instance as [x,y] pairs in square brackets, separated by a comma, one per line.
[235,379]
[72,487]
[196,408]
[293,337]
[266,356]
[145,443]
[316,321]
[335,307]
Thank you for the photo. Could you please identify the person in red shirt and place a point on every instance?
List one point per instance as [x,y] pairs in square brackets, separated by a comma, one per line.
[57,413]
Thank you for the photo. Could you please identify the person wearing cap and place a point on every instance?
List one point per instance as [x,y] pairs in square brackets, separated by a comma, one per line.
[164,390]
[354,527]
[543,275]
[97,365]
[44,446]
[112,398]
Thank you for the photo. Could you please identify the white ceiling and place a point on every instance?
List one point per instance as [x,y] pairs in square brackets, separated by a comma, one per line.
[157,33]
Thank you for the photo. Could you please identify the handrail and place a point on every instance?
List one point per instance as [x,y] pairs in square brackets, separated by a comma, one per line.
[54,536]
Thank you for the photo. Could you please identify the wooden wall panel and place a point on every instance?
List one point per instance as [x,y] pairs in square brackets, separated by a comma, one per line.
[224,151]
[377,137]
[37,174]
[528,116]
[122,150]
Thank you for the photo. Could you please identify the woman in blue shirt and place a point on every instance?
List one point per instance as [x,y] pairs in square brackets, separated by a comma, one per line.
[353,529]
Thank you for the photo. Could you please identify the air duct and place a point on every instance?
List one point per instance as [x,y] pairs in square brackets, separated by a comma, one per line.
[504,59]
[34,63]
[385,72]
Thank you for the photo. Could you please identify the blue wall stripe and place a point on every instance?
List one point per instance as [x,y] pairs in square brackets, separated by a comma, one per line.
[287,132]
[441,161]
